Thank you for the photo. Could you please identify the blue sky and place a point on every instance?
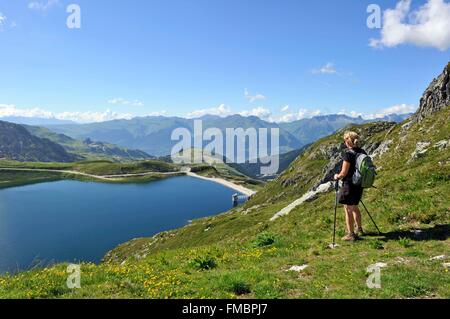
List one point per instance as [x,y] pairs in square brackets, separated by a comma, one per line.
[188,58]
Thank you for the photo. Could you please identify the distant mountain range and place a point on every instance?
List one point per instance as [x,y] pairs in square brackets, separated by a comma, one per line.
[397,118]
[88,149]
[311,129]
[153,134]
[38,144]
[16,143]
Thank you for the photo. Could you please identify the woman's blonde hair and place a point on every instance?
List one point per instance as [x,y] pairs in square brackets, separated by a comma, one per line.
[352,138]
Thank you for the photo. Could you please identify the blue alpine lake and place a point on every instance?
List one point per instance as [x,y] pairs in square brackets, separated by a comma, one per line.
[71,221]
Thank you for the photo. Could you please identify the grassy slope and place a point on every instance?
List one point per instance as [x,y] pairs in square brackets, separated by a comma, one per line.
[413,196]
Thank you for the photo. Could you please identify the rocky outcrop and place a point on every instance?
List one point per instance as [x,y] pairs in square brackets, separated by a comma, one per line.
[421,150]
[307,197]
[381,149]
[333,167]
[436,96]
[423,147]
[441,145]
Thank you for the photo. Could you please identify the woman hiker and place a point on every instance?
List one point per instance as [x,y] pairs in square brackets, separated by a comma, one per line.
[350,195]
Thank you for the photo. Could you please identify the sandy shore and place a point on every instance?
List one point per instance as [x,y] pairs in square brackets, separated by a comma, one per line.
[239,188]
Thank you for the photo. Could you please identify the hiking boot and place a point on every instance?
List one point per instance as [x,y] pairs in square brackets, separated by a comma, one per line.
[360,232]
[349,237]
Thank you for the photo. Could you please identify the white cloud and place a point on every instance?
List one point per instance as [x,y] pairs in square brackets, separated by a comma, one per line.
[304,113]
[395,109]
[428,26]
[399,109]
[42,5]
[328,68]
[350,113]
[222,110]
[3,20]
[262,113]
[87,117]
[301,114]
[12,110]
[7,110]
[159,113]
[253,98]
[120,101]
[285,108]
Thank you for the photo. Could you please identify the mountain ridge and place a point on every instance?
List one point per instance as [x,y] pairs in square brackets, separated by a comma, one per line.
[87,148]
[153,134]
[17,143]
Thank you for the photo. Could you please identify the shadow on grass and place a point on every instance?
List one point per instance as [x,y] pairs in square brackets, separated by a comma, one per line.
[438,232]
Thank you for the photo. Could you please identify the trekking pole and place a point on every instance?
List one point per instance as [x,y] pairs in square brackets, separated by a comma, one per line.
[371,218]
[336,186]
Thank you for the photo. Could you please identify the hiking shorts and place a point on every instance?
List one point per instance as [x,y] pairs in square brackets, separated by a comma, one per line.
[350,194]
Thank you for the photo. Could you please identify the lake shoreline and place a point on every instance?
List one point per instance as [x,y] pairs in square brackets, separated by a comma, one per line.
[48,175]
[144,177]
[241,189]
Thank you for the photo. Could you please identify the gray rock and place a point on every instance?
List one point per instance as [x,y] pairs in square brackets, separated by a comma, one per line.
[441,145]
[436,96]
[307,197]
[407,126]
[382,148]
[421,150]
[440,257]
[298,268]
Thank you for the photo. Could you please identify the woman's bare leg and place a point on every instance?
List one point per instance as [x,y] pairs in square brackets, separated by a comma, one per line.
[349,219]
[357,217]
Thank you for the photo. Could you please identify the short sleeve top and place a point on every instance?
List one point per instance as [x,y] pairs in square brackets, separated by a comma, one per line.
[350,156]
